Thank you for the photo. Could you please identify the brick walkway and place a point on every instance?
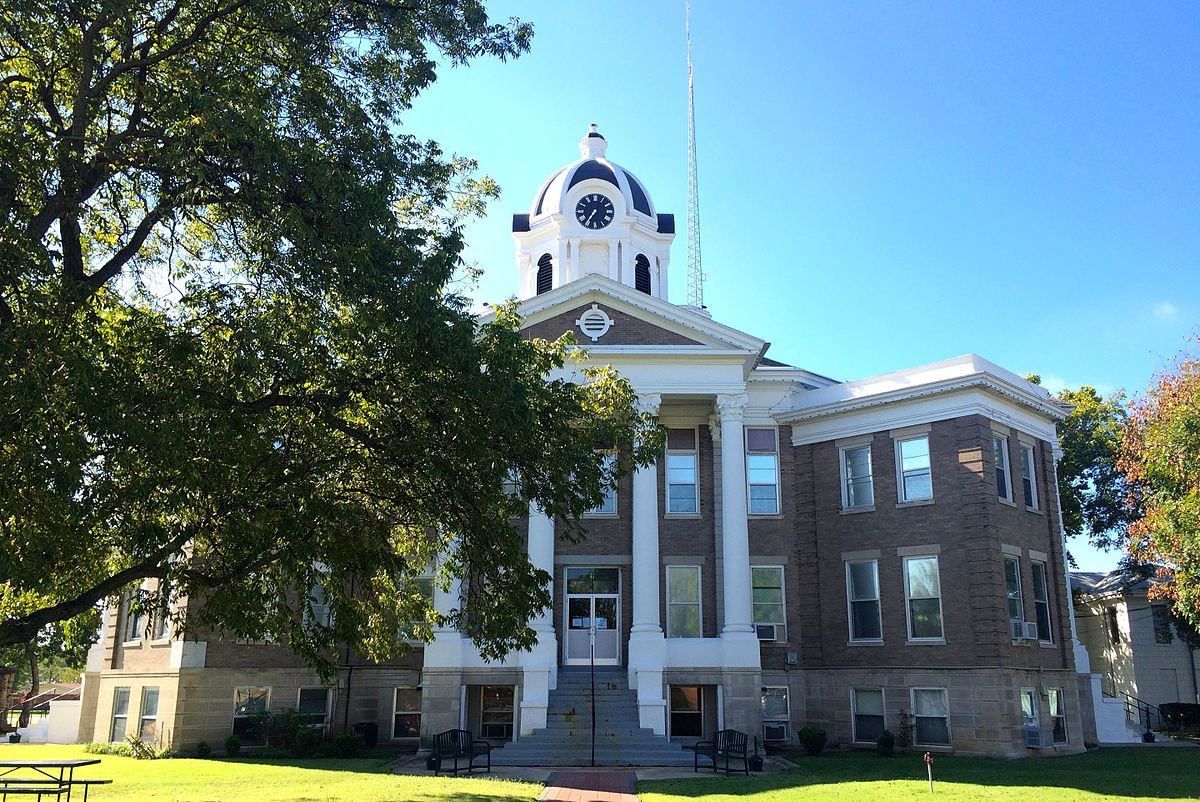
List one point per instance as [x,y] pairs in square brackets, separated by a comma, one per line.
[590,786]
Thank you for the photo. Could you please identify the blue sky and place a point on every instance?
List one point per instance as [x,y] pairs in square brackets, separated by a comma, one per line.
[882,184]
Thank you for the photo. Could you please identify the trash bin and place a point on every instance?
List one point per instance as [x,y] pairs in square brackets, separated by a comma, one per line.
[369,731]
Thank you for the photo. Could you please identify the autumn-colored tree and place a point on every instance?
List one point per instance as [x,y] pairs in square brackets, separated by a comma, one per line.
[1161,462]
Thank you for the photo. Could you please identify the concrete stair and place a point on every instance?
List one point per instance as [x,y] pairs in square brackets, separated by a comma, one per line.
[567,739]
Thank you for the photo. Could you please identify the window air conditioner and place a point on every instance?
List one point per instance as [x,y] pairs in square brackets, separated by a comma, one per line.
[1038,737]
[1017,629]
[775,731]
[765,631]
[1031,630]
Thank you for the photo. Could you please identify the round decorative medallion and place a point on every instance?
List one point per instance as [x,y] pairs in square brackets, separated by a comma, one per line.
[594,323]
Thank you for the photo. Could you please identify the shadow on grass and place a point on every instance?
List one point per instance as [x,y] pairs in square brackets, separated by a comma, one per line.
[1172,773]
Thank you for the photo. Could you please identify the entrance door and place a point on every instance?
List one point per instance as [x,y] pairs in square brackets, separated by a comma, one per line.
[593,605]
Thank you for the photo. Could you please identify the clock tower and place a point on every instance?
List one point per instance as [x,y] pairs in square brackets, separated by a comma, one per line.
[593,217]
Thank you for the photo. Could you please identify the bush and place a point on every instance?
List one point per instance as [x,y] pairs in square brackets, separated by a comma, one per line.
[348,745]
[904,739]
[141,749]
[107,749]
[305,742]
[203,750]
[233,746]
[813,740]
[271,753]
[885,744]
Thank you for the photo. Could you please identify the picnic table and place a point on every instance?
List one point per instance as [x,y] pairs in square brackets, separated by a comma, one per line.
[55,778]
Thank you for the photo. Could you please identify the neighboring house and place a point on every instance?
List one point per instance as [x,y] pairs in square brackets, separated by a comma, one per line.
[1132,643]
[806,552]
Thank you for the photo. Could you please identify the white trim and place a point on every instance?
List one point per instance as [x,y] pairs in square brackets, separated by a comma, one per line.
[1029,460]
[850,600]
[908,622]
[782,603]
[328,701]
[897,450]
[1045,592]
[787,719]
[694,453]
[913,706]
[698,604]
[746,428]
[845,477]
[1007,494]
[854,712]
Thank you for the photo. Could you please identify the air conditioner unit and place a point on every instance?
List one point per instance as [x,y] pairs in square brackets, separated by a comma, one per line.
[1038,737]
[765,631]
[791,658]
[1017,629]
[775,730]
[1031,630]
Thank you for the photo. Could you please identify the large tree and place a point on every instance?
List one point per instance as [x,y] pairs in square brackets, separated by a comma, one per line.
[231,353]
[1161,459]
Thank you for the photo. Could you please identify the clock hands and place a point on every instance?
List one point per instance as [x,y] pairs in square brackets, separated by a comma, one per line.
[590,216]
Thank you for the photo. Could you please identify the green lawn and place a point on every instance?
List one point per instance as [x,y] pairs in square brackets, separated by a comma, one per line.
[191,780]
[1107,774]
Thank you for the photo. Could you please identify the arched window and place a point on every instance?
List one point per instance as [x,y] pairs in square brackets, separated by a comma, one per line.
[641,274]
[545,275]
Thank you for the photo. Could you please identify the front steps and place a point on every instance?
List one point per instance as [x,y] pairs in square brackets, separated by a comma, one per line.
[567,739]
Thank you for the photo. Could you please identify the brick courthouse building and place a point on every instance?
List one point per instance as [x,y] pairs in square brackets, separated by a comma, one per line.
[806,552]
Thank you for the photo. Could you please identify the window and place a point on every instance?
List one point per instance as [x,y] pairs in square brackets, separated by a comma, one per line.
[406,713]
[683,488]
[913,477]
[867,707]
[1058,714]
[1000,455]
[924,592]
[1028,474]
[496,718]
[767,595]
[1041,602]
[857,489]
[148,726]
[775,714]
[1114,628]
[313,705]
[250,703]
[120,715]
[641,274]
[318,614]
[1029,707]
[762,471]
[683,601]
[687,711]
[1161,613]
[862,588]
[609,505]
[931,717]
[135,621]
[1012,589]
[162,612]
[545,274]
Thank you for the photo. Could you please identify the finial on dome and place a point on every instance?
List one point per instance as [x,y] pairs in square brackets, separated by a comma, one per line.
[593,145]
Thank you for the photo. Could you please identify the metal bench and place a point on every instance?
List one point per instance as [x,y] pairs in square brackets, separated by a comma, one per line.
[87,783]
[461,749]
[38,788]
[727,746]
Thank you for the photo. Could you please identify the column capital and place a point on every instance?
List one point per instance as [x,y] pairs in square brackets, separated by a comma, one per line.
[732,406]
[648,403]
[714,427]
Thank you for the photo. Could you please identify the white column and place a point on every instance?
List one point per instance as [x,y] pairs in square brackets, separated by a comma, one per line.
[647,647]
[539,666]
[614,265]
[735,536]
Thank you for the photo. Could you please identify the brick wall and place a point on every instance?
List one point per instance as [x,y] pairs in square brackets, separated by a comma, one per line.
[626,329]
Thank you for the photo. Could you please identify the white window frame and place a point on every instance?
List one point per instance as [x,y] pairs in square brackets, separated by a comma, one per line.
[134,626]
[1032,695]
[901,495]
[1045,589]
[160,628]
[324,723]
[266,707]
[142,715]
[787,716]
[1001,462]
[913,703]
[854,712]
[850,601]
[908,599]
[845,477]
[780,637]
[610,460]
[511,723]
[1029,463]
[396,712]
[694,453]
[748,453]
[113,735]
[1015,560]
[698,604]
[1051,695]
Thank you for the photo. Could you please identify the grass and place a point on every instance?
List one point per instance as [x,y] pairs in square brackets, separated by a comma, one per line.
[1106,774]
[244,780]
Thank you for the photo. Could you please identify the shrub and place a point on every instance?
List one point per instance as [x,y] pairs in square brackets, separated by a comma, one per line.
[885,744]
[107,749]
[233,746]
[813,740]
[904,739]
[305,742]
[349,744]
[272,753]
[140,749]
[203,750]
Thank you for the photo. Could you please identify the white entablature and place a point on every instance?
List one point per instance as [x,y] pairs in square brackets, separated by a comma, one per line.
[593,217]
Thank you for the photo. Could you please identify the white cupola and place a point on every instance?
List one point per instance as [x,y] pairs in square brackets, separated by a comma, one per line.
[593,217]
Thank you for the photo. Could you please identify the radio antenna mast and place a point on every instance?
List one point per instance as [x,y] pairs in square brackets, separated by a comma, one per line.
[695,280]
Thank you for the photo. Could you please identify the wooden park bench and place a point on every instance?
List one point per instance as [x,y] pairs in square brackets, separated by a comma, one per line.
[460,747]
[727,746]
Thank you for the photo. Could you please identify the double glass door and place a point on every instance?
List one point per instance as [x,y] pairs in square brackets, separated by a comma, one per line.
[593,606]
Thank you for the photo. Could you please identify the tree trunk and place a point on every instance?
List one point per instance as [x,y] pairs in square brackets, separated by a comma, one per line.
[35,684]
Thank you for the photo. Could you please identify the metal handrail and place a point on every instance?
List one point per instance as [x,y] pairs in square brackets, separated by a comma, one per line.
[1145,711]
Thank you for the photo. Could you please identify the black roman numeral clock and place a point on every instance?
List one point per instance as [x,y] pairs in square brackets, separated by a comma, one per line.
[594,211]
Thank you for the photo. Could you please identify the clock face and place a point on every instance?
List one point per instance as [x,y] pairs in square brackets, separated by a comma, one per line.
[594,211]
